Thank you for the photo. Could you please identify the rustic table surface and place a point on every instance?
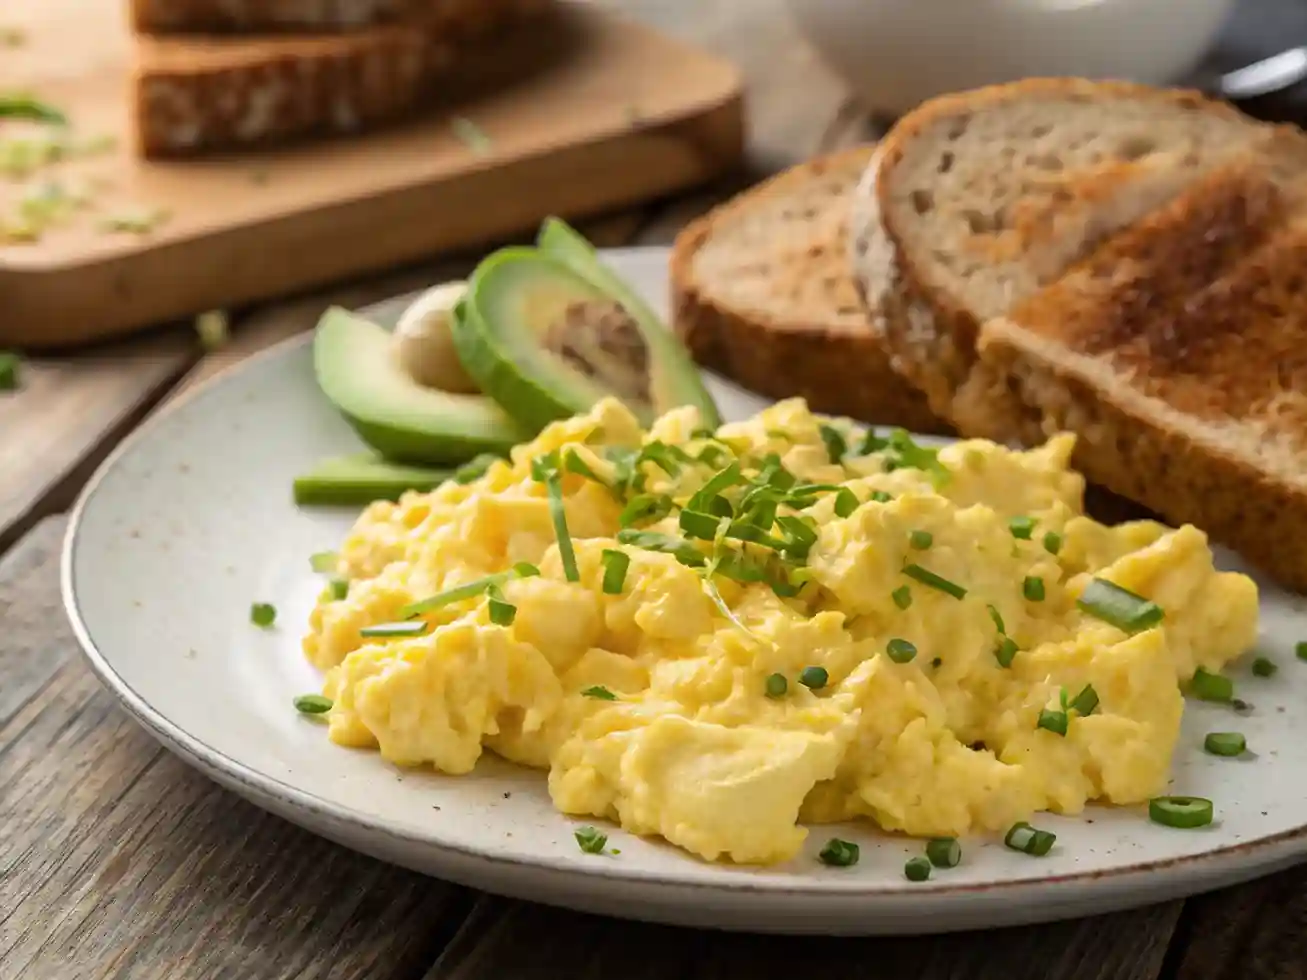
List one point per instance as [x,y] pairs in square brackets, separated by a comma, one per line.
[116,860]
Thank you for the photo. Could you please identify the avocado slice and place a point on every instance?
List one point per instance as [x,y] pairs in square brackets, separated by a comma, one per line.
[674,377]
[362,478]
[399,418]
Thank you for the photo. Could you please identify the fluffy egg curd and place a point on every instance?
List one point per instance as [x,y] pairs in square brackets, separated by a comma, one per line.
[720,637]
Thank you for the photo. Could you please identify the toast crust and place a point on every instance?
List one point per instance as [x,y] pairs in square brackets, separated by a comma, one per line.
[840,368]
[458,18]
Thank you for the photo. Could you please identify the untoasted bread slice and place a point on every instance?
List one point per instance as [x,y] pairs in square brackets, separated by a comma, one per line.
[761,292]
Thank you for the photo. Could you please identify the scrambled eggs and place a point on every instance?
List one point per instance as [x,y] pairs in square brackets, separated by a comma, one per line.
[841,626]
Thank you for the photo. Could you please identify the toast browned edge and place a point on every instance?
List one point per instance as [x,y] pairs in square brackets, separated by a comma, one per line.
[837,373]
[460,18]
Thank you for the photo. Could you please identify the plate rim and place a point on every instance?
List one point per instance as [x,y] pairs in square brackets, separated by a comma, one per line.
[1223,862]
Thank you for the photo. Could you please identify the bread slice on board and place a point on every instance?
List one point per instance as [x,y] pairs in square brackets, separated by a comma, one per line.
[197,93]
[203,16]
[1124,263]
[761,292]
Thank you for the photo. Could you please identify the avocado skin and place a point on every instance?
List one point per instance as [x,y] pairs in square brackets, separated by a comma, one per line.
[362,478]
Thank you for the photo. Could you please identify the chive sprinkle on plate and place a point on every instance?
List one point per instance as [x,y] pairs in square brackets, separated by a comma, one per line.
[1182,812]
[944,852]
[1030,840]
[263,614]
[1119,607]
[590,840]
[1228,744]
[839,853]
[312,704]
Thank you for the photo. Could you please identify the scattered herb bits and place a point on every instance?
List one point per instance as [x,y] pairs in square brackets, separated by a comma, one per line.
[312,704]
[324,562]
[1211,687]
[1033,588]
[880,497]
[814,678]
[1006,651]
[1022,527]
[9,370]
[590,840]
[1119,607]
[1300,651]
[901,651]
[839,853]
[616,564]
[1264,667]
[1029,840]
[339,588]
[1053,721]
[1086,702]
[599,693]
[475,468]
[1228,744]
[902,597]
[1052,542]
[846,502]
[263,614]
[776,686]
[394,631]
[944,852]
[502,612]
[1183,812]
[836,445]
[917,869]
[926,577]
[921,540]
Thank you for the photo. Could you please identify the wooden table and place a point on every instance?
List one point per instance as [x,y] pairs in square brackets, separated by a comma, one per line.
[116,860]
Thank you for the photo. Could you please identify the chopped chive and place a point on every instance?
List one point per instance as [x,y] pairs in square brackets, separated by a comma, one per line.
[1006,651]
[836,445]
[880,497]
[8,371]
[324,562]
[774,474]
[645,507]
[394,630]
[927,577]
[1264,667]
[901,651]
[590,840]
[1033,588]
[475,468]
[339,588]
[711,455]
[846,502]
[312,704]
[1184,812]
[616,564]
[921,540]
[1029,840]
[666,458]
[1211,687]
[502,612]
[776,686]
[558,513]
[944,852]
[902,596]
[917,869]
[599,693]
[722,480]
[1225,743]
[682,550]
[469,590]
[814,678]
[997,617]
[31,109]
[1085,702]
[1053,721]
[1300,650]
[1119,607]
[839,853]
[1022,527]
[524,569]
[263,614]
[1052,542]
[698,525]
[871,443]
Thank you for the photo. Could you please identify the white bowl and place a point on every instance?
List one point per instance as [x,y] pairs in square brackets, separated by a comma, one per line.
[897,53]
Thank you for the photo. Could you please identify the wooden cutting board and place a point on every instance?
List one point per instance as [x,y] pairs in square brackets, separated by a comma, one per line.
[608,113]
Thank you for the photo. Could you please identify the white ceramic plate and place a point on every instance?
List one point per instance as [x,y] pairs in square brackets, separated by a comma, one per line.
[191,520]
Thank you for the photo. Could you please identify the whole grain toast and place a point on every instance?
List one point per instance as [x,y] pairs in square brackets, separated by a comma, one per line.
[1118,304]
[761,292]
[458,17]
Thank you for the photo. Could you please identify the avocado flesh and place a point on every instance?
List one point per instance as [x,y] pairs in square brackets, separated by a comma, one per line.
[402,420]
[362,478]
[675,378]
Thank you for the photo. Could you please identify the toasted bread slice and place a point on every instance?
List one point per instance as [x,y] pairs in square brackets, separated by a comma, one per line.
[219,92]
[457,17]
[761,292]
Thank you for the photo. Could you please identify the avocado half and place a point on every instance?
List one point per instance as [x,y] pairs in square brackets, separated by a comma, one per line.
[402,420]
[550,331]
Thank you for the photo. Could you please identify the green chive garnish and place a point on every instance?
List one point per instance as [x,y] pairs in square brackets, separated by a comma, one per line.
[573,463]
[1120,607]
[1052,542]
[645,508]
[394,630]
[599,693]
[1022,527]
[902,596]
[997,617]
[1300,651]
[1033,588]
[846,502]
[1211,687]
[682,550]
[718,482]
[927,577]
[469,591]
[1185,812]
[616,564]
[8,371]
[1225,743]
[944,852]
[839,853]
[312,704]
[814,678]
[1053,721]
[837,446]
[880,497]
[1085,702]
[545,471]
[776,686]
[1006,651]
[32,109]
[339,588]
[699,525]
[901,651]
[502,612]
[921,540]
[1264,667]
[1028,840]
[324,562]
[475,468]
[590,840]
[917,869]
[263,614]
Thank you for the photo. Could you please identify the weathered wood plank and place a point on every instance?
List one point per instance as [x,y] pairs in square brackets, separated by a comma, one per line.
[117,860]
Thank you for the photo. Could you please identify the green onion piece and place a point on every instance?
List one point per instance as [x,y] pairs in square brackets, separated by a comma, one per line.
[590,840]
[666,458]
[1085,702]
[457,594]
[1041,843]
[718,482]
[339,588]
[1211,687]
[312,704]
[263,614]
[927,577]
[1033,588]
[997,617]
[682,550]
[1052,542]
[394,630]
[1053,721]
[902,596]
[645,507]
[814,678]
[917,869]
[836,445]
[871,443]
[1184,812]
[711,455]
[944,852]
[557,512]
[324,562]
[901,651]
[1264,667]
[599,693]
[880,497]
[1006,651]
[524,569]
[1300,650]
[839,853]
[573,463]
[1225,743]
[776,686]
[703,432]
[616,564]
[31,109]
[1028,840]
[921,540]
[1022,527]
[1119,607]
[8,371]
[475,468]
[774,474]
[699,525]
[846,502]
[903,453]
[502,612]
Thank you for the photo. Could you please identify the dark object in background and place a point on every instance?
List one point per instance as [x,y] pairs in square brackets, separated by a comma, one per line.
[1259,29]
